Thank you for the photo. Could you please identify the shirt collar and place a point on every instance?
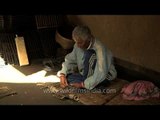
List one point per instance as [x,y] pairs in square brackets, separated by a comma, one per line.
[91,43]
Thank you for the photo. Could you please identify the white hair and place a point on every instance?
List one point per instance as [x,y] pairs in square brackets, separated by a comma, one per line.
[82,32]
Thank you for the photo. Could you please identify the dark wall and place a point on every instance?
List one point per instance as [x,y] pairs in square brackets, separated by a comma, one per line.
[38,32]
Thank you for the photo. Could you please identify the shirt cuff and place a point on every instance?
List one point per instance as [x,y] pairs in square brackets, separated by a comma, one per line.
[59,74]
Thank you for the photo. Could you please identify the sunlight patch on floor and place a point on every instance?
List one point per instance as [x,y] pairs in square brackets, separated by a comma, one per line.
[8,74]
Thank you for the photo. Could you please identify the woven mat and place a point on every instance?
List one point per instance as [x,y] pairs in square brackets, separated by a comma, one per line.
[5,91]
[97,96]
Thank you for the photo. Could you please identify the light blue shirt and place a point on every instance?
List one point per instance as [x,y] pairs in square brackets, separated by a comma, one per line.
[104,64]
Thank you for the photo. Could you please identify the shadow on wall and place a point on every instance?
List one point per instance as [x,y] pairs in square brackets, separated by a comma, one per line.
[132,72]
[72,20]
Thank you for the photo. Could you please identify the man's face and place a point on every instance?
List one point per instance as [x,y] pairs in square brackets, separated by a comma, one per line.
[83,44]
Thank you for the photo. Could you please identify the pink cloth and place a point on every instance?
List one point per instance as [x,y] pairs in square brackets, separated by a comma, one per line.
[140,90]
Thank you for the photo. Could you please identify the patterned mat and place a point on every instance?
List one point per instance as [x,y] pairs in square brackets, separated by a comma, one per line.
[97,96]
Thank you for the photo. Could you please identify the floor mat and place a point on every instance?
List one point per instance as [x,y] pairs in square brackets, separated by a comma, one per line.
[97,96]
[5,91]
[118,100]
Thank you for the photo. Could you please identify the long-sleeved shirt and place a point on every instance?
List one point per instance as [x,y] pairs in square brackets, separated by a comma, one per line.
[104,64]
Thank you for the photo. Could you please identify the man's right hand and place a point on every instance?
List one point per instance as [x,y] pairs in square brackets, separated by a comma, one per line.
[63,81]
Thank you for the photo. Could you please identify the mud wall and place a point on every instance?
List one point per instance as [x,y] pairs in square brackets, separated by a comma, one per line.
[133,38]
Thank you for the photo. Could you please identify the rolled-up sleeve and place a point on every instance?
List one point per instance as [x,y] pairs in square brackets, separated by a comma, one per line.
[70,62]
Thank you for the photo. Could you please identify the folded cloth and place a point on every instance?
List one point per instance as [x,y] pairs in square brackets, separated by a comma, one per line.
[140,90]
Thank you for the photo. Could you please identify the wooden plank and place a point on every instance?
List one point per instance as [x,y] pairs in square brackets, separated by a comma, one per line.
[21,50]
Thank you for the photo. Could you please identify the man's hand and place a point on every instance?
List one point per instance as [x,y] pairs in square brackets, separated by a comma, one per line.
[63,81]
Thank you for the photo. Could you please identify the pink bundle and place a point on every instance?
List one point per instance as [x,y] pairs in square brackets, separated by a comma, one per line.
[140,90]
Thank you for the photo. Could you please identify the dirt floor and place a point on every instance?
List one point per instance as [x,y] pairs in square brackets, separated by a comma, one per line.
[27,93]
[31,94]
